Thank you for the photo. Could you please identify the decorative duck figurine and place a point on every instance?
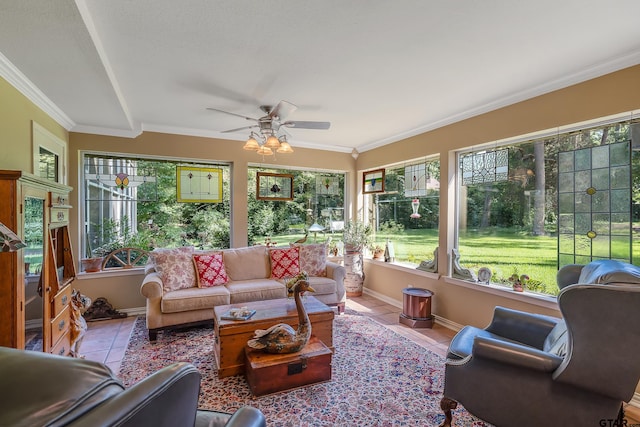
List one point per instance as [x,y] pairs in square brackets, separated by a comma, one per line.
[281,338]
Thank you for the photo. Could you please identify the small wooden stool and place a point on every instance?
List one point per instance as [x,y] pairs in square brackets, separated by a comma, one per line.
[270,373]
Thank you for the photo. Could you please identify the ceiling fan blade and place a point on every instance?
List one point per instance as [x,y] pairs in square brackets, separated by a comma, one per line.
[237,129]
[233,114]
[282,110]
[306,125]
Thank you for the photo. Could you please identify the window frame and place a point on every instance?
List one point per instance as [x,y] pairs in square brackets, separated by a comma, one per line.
[82,211]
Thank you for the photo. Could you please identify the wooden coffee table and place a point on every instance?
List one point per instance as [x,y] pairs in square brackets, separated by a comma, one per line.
[231,336]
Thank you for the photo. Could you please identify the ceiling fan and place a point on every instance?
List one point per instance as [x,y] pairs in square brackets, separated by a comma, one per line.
[269,125]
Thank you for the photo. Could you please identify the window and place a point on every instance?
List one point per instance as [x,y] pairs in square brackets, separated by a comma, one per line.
[406,213]
[133,202]
[315,209]
[528,208]
[49,156]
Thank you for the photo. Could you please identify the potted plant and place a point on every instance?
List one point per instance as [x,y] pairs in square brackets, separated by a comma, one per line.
[377,251]
[519,282]
[356,236]
[93,262]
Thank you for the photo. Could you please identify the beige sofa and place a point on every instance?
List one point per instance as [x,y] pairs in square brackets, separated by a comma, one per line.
[249,273]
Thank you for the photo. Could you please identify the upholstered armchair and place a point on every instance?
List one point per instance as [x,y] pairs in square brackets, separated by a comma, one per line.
[532,370]
[39,389]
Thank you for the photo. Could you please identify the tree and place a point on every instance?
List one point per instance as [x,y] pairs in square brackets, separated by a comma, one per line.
[539,203]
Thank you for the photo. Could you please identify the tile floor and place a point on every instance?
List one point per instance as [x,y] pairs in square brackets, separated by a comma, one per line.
[107,340]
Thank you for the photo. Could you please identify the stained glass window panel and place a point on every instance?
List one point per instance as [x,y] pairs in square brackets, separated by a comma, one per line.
[583,159]
[600,156]
[601,247]
[485,167]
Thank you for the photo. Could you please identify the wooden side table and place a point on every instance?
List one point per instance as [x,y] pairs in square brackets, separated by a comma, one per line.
[416,308]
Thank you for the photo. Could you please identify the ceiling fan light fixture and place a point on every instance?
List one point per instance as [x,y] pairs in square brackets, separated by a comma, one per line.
[265,151]
[285,148]
[272,142]
[251,144]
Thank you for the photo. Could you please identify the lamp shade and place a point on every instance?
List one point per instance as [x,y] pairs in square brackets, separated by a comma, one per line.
[265,151]
[272,142]
[285,148]
[251,144]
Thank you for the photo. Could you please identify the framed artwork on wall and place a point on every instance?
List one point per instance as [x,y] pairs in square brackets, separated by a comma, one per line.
[49,154]
[274,186]
[373,181]
[199,184]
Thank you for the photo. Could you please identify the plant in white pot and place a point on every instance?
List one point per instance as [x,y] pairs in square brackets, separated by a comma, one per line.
[356,236]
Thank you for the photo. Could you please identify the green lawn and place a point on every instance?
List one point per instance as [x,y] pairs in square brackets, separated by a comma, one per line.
[505,252]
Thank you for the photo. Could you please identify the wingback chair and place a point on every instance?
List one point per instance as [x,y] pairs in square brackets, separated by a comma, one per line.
[39,389]
[532,370]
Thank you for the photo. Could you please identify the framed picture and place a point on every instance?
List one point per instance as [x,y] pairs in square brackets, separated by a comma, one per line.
[373,181]
[199,184]
[274,186]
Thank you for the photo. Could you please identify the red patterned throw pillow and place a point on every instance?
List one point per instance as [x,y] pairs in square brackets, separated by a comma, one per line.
[210,269]
[285,263]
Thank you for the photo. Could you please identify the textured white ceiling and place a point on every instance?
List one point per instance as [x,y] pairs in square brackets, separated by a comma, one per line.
[377,70]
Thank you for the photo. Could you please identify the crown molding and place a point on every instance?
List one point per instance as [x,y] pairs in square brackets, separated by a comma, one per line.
[95,130]
[593,72]
[11,74]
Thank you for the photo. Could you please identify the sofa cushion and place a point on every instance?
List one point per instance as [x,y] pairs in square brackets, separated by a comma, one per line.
[285,262]
[255,290]
[247,263]
[175,267]
[609,271]
[313,259]
[210,269]
[194,299]
[322,285]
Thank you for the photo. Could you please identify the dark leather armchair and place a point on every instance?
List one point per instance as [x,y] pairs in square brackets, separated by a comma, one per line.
[38,389]
[533,370]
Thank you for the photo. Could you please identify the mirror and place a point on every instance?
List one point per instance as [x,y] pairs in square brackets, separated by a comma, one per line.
[34,228]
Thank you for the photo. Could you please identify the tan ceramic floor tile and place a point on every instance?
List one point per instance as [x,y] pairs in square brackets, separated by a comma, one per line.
[98,356]
[116,354]
[89,345]
[387,318]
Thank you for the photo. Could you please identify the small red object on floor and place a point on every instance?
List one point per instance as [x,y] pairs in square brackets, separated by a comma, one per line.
[416,308]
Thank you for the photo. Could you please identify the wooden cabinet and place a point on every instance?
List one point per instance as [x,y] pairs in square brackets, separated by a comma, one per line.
[35,284]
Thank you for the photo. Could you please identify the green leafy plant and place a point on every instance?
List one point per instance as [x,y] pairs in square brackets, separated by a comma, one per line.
[357,234]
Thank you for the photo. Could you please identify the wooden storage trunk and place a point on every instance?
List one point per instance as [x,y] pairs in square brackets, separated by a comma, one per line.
[231,336]
[270,373]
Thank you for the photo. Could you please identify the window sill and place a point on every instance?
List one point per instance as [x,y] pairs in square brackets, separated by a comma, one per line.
[405,268]
[109,273]
[550,302]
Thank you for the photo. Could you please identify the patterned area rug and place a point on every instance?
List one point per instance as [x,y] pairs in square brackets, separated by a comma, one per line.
[379,378]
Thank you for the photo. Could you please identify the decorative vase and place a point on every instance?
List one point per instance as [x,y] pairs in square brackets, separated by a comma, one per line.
[354,277]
